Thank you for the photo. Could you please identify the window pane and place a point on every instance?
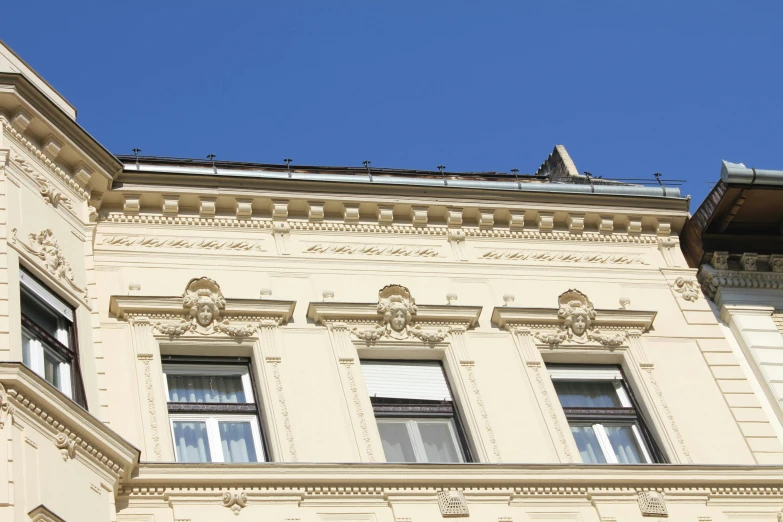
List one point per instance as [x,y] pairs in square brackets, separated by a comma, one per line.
[588,445]
[624,444]
[51,368]
[438,442]
[40,314]
[396,442]
[237,441]
[190,442]
[206,388]
[587,394]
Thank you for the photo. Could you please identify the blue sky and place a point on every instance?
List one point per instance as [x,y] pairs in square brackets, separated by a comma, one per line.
[630,88]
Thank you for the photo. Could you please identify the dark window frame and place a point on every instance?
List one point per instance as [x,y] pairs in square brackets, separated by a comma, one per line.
[385,407]
[624,414]
[69,353]
[222,409]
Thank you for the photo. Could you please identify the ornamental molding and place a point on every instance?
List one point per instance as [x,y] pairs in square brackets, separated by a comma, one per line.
[652,504]
[43,514]
[294,225]
[688,288]
[241,245]
[452,503]
[376,250]
[549,256]
[235,500]
[28,398]
[50,194]
[712,279]
[395,317]
[43,158]
[202,310]
[46,252]
[575,322]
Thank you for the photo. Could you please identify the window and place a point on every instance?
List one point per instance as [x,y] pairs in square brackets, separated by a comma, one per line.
[48,337]
[212,410]
[603,415]
[415,412]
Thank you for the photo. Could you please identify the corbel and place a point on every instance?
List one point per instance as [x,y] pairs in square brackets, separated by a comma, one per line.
[748,261]
[516,220]
[170,204]
[486,217]
[52,146]
[243,208]
[21,119]
[663,227]
[207,207]
[132,203]
[280,231]
[315,210]
[545,221]
[576,223]
[606,225]
[776,263]
[720,260]
[454,217]
[351,212]
[279,209]
[634,224]
[82,173]
[419,215]
[385,214]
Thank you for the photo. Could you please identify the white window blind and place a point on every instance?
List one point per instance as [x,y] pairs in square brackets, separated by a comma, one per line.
[45,295]
[406,380]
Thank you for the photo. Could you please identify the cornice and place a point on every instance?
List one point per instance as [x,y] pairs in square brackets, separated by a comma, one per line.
[331,312]
[130,306]
[713,280]
[69,181]
[429,229]
[73,430]
[476,475]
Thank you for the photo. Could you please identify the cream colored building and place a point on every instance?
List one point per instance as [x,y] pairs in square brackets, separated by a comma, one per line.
[266,342]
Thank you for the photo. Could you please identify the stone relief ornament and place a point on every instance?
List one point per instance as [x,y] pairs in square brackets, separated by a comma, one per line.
[577,313]
[66,445]
[50,194]
[202,303]
[720,260]
[235,500]
[688,288]
[44,246]
[397,309]
[5,406]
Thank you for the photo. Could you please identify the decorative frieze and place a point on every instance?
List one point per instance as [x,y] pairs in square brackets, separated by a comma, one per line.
[554,256]
[713,279]
[374,250]
[241,245]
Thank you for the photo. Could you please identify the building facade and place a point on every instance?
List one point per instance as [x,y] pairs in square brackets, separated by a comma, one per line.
[187,340]
[735,239]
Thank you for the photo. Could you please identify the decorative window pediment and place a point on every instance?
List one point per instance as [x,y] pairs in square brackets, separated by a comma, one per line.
[575,322]
[395,317]
[201,310]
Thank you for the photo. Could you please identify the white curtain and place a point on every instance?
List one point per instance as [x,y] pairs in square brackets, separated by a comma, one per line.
[206,388]
[588,445]
[237,441]
[624,444]
[582,394]
[190,440]
[438,442]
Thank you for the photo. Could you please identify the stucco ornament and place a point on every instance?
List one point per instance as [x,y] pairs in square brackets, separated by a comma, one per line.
[235,500]
[398,310]
[202,303]
[5,406]
[688,288]
[44,246]
[577,314]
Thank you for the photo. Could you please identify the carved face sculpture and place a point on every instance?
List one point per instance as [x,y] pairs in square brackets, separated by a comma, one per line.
[579,325]
[204,315]
[398,319]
